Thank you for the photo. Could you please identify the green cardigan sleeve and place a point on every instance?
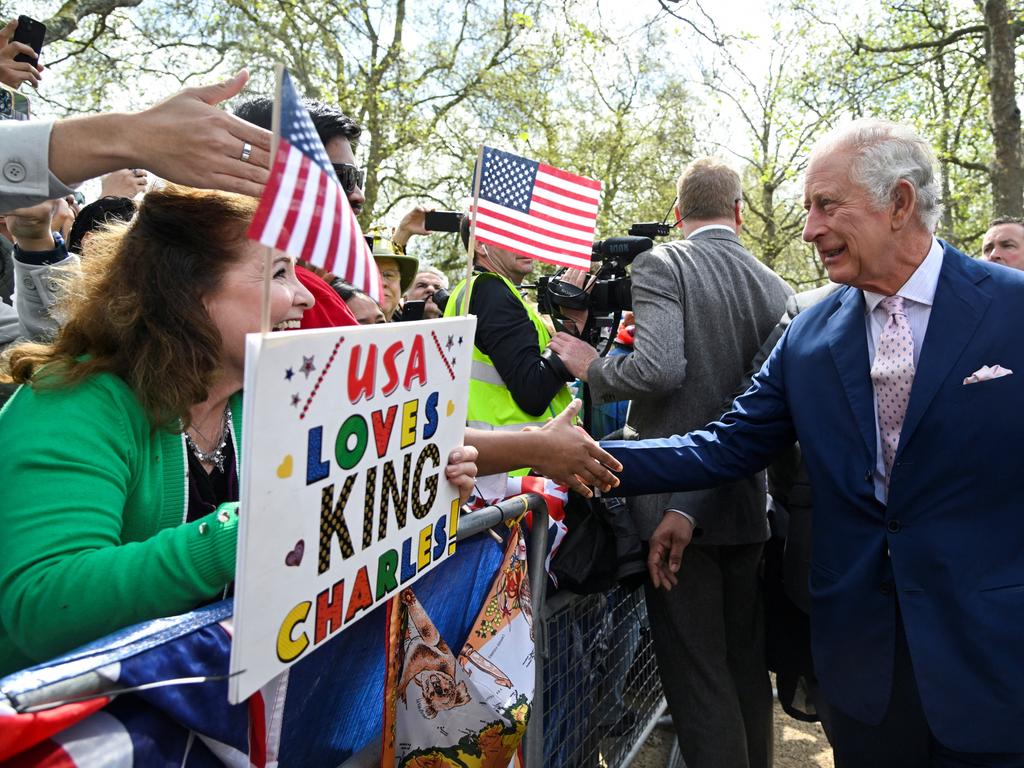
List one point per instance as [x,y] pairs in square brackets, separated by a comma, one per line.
[91,542]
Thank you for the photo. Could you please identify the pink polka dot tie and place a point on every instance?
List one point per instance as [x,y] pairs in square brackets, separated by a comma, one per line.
[893,375]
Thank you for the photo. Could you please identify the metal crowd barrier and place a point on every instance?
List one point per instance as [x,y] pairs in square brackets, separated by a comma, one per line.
[600,695]
[597,693]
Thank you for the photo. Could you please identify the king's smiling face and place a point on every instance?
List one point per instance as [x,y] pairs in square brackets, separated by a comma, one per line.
[853,238]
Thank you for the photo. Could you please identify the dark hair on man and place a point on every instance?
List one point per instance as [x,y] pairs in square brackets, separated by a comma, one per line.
[328,120]
[346,290]
[708,189]
[95,215]
[1006,220]
[464,233]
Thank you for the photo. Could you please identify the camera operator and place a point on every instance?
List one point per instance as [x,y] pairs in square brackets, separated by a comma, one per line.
[512,384]
[428,282]
[703,306]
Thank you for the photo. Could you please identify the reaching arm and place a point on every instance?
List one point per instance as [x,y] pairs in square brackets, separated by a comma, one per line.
[184,139]
[558,450]
[741,442]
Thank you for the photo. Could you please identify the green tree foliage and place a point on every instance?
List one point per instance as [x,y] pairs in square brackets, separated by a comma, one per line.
[947,68]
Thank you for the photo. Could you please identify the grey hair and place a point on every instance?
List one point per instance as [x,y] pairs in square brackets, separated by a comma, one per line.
[886,153]
[430,269]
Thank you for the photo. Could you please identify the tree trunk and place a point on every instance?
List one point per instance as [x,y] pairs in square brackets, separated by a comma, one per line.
[772,247]
[1007,174]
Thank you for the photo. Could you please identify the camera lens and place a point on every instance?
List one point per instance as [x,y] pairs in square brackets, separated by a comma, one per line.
[440,298]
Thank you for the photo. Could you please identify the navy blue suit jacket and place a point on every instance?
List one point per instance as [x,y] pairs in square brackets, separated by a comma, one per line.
[949,546]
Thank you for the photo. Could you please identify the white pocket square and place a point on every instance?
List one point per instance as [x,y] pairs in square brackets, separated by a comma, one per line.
[987,373]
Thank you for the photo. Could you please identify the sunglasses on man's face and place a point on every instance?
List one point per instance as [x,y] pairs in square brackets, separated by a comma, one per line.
[349,176]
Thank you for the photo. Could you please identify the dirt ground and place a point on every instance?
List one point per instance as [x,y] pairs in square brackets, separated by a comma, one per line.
[797,745]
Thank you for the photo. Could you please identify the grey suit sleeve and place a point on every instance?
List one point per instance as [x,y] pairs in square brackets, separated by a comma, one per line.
[35,294]
[25,177]
[658,362]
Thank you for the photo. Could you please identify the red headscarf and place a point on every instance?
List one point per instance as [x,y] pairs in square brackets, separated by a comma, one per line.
[329,311]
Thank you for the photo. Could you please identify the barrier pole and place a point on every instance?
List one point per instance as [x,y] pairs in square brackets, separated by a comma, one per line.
[537,555]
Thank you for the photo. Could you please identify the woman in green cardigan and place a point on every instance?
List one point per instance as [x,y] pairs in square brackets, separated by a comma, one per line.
[119,477]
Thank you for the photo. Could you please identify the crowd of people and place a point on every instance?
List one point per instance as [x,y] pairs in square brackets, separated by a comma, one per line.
[877,404]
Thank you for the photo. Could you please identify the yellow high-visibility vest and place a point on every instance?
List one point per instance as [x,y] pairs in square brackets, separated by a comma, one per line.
[491,405]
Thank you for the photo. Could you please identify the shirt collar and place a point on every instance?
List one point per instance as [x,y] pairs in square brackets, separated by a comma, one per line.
[921,285]
[707,227]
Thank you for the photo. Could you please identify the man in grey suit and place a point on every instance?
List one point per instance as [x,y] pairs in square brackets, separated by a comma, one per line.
[703,307]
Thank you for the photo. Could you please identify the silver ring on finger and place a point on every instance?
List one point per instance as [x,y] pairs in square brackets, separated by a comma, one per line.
[246,151]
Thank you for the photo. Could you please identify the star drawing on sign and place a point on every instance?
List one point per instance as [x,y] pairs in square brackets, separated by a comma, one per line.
[450,343]
[307,365]
[295,400]
[288,373]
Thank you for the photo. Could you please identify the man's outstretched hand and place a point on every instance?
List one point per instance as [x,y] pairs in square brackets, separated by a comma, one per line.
[668,541]
[571,457]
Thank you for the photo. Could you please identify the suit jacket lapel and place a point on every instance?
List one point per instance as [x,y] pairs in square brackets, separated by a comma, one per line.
[847,338]
[957,309]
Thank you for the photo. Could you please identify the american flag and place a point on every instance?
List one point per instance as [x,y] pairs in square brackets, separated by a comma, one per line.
[536,210]
[304,211]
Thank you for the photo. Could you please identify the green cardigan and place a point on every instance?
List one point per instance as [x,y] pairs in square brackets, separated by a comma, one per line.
[92,504]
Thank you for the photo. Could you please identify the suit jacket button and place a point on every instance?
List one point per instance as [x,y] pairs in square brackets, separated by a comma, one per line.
[14,171]
[894,526]
[886,587]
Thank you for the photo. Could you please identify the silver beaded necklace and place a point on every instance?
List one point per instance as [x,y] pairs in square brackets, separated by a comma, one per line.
[217,456]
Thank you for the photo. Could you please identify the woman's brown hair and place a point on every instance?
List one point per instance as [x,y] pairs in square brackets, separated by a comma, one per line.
[136,310]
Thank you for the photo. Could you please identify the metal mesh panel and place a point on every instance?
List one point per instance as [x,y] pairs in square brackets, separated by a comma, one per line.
[601,692]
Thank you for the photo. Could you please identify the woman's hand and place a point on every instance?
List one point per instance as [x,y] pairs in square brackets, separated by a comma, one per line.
[461,470]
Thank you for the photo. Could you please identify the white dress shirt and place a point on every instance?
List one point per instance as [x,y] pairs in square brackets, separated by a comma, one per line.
[711,226]
[918,294]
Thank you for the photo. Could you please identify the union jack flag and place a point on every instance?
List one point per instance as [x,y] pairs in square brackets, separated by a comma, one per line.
[304,211]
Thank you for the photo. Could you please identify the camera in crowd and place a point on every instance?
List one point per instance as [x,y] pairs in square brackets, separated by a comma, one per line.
[611,289]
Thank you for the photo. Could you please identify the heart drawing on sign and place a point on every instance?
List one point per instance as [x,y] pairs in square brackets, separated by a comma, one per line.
[294,557]
[451,407]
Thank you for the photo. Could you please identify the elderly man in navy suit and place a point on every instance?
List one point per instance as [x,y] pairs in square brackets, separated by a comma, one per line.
[903,389]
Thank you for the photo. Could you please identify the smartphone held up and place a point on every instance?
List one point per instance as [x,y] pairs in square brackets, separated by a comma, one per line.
[31,33]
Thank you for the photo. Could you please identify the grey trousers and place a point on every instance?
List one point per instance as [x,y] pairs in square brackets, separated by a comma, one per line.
[708,634]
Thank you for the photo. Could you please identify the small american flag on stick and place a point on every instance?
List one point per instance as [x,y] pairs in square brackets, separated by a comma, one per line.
[304,211]
[536,210]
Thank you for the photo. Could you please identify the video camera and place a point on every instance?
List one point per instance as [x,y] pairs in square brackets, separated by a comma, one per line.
[611,291]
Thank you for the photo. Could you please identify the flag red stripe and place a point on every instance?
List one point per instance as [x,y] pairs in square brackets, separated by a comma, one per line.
[259,219]
[293,207]
[353,245]
[539,229]
[587,230]
[564,208]
[568,250]
[332,247]
[257,732]
[314,225]
[560,192]
[583,181]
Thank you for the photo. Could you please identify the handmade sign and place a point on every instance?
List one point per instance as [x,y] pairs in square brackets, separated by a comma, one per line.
[344,501]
